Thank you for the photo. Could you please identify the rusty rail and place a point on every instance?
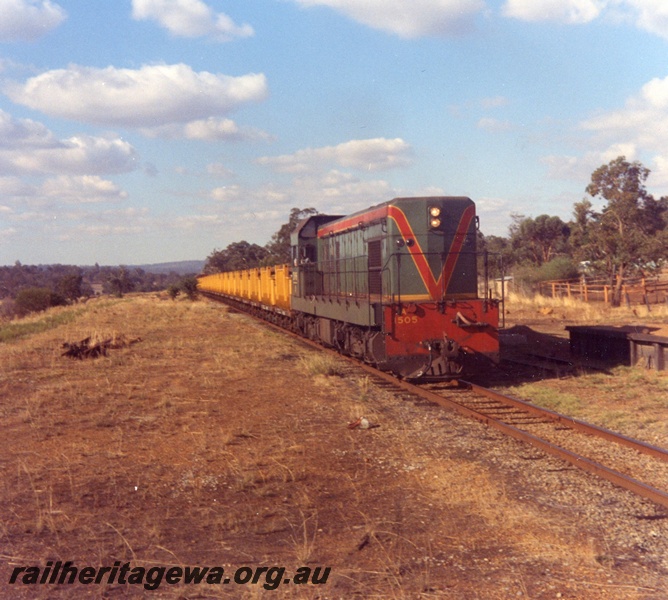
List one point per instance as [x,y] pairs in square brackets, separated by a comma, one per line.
[620,479]
[595,430]
[624,481]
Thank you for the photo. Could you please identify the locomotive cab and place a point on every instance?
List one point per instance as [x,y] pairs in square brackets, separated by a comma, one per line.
[304,255]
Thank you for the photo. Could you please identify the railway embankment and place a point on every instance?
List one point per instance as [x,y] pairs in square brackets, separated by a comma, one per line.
[216,441]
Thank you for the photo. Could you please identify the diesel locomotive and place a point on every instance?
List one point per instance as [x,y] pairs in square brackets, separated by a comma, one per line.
[395,285]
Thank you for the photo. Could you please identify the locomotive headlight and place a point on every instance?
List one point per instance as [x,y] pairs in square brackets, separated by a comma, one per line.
[434,222]
[435,211]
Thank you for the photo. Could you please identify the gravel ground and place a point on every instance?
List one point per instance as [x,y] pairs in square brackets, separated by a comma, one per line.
[628,535]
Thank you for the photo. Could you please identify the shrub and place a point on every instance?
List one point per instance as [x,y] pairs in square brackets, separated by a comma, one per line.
[527,277]
[36,299]
[173,291]
[561,267]
[189,287]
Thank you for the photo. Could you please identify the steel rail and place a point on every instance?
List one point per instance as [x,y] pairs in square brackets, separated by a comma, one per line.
[624,481]
[595,430]
[629,483]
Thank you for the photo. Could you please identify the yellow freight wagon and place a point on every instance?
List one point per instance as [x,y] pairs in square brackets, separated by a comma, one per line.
[269,286]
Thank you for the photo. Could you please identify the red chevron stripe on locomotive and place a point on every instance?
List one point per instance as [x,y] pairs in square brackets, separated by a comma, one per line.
[436,288]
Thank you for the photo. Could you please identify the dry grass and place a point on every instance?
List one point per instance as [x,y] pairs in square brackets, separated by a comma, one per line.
[322,364]
[216,441]
[521,308]
[631,400]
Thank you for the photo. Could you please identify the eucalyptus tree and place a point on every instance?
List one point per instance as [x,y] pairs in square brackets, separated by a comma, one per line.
[629,233]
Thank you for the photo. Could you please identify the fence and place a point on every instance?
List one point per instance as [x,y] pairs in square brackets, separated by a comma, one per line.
[634,291]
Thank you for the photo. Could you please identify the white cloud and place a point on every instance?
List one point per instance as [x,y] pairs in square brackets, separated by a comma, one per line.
[368,155]
[24,133]
[77,156]
[227,193]
[212,129]
[573,168]
[659,175]
[189,18]
[494,125]
[579,168]
[27,20]
[406,19]
[331,192]
[341,193]
[652,15]
[14,187]
[638,131]
[562,11]
[82,189]
[58,203]
[642,121]
[150,96]
[27,147]
[6,235]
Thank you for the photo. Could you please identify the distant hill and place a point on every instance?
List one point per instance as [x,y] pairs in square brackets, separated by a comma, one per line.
[183,267]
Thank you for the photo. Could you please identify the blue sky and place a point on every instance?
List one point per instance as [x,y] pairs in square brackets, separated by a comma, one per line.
[140,131]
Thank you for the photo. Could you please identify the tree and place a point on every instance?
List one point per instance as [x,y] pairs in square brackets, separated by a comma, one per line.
[538,240]
[238,255]
[499,254]
[120,282]
[70,286]
[580,241]
[630,231]
[279,246]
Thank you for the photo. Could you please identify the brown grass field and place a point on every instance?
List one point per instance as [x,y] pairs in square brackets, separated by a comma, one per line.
[215,441]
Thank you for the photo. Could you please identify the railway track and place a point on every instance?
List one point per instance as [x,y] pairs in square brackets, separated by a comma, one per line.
[553,433]
[628,463]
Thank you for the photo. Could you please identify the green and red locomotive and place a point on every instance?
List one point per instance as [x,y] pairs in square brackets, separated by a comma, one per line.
[395,285]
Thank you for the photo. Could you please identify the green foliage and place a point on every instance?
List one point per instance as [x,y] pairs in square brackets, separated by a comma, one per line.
[72,282]
[70,286]
[189,287]
[538,240]
[279,247]
[34,299]
[237,256]
[500,255]
[242,255]
[561,267]
[527,276]
[173,291]
[630,231]
[120,282]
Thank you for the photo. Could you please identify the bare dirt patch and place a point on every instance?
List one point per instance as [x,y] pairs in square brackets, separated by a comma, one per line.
[215,441]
